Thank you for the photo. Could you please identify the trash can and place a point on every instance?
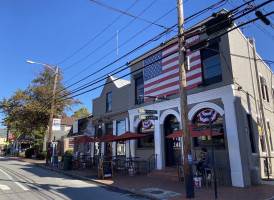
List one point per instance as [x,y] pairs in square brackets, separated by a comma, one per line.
[67,162]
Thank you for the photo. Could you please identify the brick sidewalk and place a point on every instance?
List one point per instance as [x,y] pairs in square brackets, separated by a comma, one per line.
[139,182]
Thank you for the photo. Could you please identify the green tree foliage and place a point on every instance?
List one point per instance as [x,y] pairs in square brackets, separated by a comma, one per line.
[82,112]
[27,111]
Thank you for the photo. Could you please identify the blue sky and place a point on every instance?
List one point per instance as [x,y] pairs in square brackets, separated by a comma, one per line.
[52,31]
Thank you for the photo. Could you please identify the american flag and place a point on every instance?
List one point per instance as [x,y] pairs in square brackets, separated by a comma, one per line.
[161,74]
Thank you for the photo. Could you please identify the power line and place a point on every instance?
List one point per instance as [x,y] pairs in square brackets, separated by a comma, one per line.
[162,58]
[256,24]
[115,48]
[187,20]
[103,45]
[125,13]
[115,61]
[96,35]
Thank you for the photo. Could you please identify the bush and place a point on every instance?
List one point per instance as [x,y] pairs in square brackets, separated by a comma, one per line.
[41,155]
[29,152]
[69,153]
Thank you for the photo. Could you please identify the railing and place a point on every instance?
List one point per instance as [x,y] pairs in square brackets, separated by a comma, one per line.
[152,163]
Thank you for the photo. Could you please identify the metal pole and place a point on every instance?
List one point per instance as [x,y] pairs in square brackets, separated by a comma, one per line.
[213,160]
[184,109]
[51,112]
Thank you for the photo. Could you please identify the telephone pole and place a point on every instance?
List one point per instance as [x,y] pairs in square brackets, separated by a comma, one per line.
[184,108]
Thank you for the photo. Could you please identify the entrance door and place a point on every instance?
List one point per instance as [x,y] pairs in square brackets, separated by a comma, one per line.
[172,145]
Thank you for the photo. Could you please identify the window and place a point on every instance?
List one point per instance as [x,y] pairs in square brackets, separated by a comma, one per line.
[270,138]
[264,89]
[261,136]
[62,128]
[147,142]
[251,133]
[121,147]
[211,63]
[109,128]
[71,143]
[139,88]
[205,141]
[108,102]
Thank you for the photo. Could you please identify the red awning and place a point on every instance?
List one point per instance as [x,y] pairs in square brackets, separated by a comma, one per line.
[194,133]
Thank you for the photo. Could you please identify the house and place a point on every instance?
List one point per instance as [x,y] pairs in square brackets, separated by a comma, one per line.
[81,127]
[64,143]
[3,138]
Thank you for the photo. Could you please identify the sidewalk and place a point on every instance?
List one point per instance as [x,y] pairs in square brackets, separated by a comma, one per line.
[162,188]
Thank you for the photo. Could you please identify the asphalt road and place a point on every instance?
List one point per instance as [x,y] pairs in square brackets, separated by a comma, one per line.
[21,180]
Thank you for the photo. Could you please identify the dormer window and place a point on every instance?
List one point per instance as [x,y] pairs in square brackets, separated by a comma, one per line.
[109,102]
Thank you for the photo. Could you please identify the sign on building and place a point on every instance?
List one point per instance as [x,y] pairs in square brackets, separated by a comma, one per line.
[75,126]
[56,125]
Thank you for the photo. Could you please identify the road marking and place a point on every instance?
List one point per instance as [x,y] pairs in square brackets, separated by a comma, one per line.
[4,187]
[16,182]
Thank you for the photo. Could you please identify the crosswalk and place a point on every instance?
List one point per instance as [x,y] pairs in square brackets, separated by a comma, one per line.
[4,187]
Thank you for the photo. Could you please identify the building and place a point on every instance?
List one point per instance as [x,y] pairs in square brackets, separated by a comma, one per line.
[3,138]
[60,136]
[227,82]
[224,78]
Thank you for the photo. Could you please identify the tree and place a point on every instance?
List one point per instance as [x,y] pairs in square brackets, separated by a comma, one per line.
[82,112]
[27,111]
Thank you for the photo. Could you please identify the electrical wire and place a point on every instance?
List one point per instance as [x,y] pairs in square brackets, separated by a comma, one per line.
[256,24]
[125,13]
[100,33]
[103,45]
[186,20]
[162,58]
[128,74]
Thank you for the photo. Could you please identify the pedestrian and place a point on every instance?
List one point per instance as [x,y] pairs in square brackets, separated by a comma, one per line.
[208,163]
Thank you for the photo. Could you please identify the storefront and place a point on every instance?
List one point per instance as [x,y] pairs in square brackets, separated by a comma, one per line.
[170,151]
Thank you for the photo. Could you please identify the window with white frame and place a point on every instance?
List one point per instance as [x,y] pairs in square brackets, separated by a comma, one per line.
[264,89]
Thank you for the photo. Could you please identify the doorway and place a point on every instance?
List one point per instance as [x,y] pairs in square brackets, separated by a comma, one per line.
[172,145]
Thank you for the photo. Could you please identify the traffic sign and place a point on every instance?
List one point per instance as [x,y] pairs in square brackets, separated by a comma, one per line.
[7,143]
[147,111]
[148,117]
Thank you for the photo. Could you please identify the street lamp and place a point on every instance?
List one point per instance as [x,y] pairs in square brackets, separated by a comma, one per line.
[52,100]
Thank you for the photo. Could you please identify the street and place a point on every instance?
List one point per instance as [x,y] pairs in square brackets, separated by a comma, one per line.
[21,180]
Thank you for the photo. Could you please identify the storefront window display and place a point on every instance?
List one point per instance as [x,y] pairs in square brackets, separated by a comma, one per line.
[146,128]
[217,126]
[121,147]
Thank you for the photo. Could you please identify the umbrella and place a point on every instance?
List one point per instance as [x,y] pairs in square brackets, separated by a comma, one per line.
[84,139]
[108,138]
[194,133]
[129,136]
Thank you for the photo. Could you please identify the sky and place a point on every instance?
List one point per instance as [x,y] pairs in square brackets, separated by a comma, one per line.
[81,37]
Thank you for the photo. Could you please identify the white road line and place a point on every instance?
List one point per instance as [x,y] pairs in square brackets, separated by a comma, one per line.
[16,182]
[4,187]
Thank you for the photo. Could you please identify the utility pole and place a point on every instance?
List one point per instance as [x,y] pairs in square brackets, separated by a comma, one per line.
[51,112]
[184,108]
[262,115]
